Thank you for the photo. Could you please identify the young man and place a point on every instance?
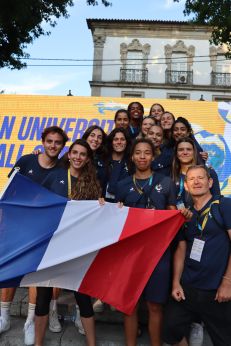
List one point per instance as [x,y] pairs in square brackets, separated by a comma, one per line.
[36,167]
[202,266]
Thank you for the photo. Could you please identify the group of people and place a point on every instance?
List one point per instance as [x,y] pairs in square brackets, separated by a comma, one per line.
[149,162]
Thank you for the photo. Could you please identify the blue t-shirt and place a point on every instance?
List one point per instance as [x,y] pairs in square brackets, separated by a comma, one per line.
[159,192]
[29,166]
[117,171]
[100,172]
[163,163]
[57,181]
[133,131]
[207,274]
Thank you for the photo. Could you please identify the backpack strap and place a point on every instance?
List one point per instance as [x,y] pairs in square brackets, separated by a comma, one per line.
[219,220]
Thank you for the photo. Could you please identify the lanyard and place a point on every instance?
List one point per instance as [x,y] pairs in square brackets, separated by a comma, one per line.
[140,189]
[69,183]
[179,195]
[132,129]
[206,216]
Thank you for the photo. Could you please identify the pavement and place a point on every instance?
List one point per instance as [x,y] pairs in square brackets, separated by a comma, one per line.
[109,326]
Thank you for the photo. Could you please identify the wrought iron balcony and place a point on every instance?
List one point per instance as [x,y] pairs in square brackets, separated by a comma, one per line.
[133,75]
[178,77]
[221,79]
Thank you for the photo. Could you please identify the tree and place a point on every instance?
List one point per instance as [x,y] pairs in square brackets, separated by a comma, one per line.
[21,22]
[215,13]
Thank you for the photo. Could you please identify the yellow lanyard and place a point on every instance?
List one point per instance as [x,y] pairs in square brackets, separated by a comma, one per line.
[69,183]
[206,215]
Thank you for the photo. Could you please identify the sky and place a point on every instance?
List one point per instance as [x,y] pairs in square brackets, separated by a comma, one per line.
[71,39]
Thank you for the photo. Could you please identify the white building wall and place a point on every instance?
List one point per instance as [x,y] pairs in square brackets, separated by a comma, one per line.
[156,71]
[161,93]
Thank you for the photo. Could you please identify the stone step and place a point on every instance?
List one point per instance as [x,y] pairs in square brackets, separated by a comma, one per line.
[109,324]
[107,334]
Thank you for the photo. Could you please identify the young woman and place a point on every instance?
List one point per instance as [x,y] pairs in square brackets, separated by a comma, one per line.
[118,146]
[181,129]
[164,154]
[97,139]
[136,113]
[185,155]
[166,122]
[156,112]
[146,189]
[147,122]
[122,119]
[79,183]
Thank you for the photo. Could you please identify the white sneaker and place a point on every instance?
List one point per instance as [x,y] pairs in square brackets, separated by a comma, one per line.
[98,306]
[4,324]
[196,335]
[78,322]
[54,324]
[29,333]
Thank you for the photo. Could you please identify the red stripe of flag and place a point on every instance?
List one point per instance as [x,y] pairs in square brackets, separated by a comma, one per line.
[120,271]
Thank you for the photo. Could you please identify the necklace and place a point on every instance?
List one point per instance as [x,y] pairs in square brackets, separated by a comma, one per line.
[138,187]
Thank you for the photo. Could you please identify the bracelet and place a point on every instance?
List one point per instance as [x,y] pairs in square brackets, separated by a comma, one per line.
[227,278]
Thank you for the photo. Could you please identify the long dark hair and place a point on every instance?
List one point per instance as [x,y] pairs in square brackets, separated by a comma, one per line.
[87,186]
[186,124]
[176,165]
[101,151]
[110,138]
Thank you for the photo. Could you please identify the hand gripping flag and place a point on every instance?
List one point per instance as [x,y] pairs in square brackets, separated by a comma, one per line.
[104,251]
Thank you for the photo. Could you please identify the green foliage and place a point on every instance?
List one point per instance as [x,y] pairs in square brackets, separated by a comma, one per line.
[217,14]
[95,2]
[22,21]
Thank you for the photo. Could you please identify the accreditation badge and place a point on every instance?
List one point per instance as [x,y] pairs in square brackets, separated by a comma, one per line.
[197,249]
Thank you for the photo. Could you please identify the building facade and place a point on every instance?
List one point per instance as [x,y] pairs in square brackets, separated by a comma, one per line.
[157,59]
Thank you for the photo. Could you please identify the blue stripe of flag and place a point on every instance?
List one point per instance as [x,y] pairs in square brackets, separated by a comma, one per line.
[29,215]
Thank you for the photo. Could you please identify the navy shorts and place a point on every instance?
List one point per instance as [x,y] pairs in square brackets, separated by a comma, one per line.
[157,288]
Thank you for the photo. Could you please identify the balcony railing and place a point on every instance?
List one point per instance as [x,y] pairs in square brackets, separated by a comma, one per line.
[178,77]
[133,75]
[221,79]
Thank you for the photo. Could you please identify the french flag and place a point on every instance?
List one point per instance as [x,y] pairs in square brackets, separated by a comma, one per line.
[104,251]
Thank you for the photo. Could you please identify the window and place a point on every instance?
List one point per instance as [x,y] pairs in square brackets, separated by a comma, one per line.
[134,57]
[220,98]
[178,96]
[133,94]
[179,61]
[221,67]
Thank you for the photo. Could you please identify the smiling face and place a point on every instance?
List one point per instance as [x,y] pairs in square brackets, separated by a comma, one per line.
[185,153]
[53,144]
[155,133]
[166,121]
[136,111]
[197,182]
[146,125]
[78,157]
[119,142]
[122,120]
[156,112]
[179,131]
[95,139]
[142,156]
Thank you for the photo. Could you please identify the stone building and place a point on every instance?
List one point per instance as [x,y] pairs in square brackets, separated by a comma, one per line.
[157,59]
